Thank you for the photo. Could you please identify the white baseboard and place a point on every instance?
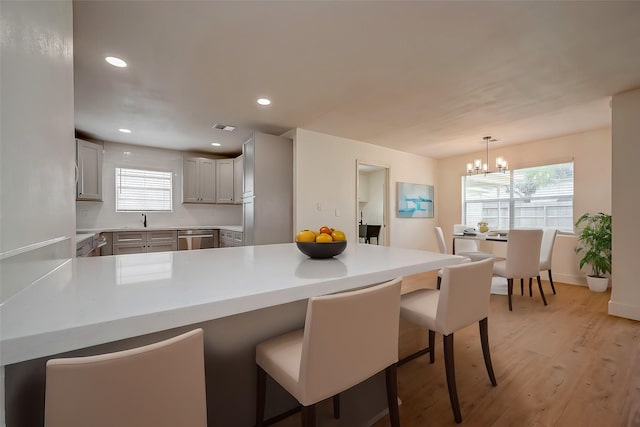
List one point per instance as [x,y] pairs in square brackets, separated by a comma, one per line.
[624,310]
[566,278]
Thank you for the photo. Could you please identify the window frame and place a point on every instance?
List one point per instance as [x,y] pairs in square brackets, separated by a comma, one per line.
[511,201]
[145,169]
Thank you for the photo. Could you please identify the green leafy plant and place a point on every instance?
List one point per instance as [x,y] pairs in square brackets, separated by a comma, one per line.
[594,242]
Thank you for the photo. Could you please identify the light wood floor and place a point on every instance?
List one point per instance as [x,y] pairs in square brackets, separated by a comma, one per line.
[566,364]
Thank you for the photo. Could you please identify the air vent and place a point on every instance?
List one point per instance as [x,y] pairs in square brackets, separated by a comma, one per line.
[224,127]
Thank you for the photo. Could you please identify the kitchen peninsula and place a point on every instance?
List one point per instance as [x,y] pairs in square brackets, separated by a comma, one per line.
[239,296]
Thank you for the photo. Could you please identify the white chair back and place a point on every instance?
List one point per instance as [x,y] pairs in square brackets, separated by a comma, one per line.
[464,295]
[546,248]
[161,384]
[442,245]
[523,253]
[348,337]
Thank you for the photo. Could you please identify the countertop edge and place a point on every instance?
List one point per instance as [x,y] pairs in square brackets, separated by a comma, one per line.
[168,227]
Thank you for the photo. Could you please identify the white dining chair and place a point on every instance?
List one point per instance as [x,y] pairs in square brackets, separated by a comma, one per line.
[546,254]
[473,255]
[442,247]
[347,338]
[160,384]
[522,261]
[462,300]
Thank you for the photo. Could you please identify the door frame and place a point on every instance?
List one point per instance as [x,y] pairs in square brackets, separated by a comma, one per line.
[386,224]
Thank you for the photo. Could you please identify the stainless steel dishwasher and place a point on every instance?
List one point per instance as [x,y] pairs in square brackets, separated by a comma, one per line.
[197,239]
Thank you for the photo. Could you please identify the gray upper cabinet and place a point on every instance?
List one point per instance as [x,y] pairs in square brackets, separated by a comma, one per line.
[268,189]
[224,180]
[248,151]
[198,180]
[89,173]
[238,175]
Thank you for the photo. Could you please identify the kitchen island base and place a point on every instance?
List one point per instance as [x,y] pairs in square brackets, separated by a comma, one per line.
[229,368]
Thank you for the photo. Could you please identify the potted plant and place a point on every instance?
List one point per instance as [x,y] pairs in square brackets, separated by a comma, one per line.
[594,243]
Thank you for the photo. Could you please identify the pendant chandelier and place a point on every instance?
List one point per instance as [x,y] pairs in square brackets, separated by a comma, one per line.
[478,167]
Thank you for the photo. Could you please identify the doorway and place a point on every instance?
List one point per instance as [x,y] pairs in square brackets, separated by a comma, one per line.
[372,200]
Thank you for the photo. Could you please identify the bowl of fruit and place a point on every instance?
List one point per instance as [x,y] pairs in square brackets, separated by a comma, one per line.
[324,243]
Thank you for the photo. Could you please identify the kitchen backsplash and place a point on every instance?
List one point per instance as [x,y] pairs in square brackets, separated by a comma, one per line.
[103,214]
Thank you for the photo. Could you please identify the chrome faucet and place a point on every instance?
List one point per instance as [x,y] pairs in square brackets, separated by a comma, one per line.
[145,220]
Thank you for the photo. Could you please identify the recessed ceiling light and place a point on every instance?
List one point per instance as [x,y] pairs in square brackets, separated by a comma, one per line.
[264,101]
[215,144]
[116,62]
[123,130]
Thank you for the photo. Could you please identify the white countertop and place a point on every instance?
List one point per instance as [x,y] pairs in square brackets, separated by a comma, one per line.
[83,236]
[167,227]
[90,301]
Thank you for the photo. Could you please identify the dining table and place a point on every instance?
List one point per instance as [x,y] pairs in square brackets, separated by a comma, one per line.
[494,236]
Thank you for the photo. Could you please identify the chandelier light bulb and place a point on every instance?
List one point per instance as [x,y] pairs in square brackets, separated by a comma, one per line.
[478,165]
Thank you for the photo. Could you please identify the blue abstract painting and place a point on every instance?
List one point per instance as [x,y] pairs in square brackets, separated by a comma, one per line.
[415,200]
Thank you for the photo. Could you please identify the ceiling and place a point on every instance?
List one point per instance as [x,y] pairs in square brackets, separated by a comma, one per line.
[430,78]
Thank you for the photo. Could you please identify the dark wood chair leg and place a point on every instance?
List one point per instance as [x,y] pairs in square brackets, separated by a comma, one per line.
[261,396]
[336,406]
[391,374]
[484,340]
[451,377]
[553,288]
[530,292]
[440,282]
[509,292]
[432,346]
[544,300]
[521,286]
[309,416]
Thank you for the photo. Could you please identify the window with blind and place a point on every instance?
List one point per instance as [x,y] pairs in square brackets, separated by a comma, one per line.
[143,190]
[522,198]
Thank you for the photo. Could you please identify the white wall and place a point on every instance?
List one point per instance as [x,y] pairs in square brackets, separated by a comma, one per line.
[103,214]
[37,151]
[36,140]
[325,173]
[625,290]
[373,209]
[591,153]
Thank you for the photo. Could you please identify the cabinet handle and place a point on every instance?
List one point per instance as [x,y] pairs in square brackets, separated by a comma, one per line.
[77,173]
[82,180]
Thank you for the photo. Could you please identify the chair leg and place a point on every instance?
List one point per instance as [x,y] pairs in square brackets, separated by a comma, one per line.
[309,416]
[521,286]
[530,292]
[553,288]
[451,377]
[544,300]
[391,374]
[261,396]
[432,346]
[484,340]
[509,292]
[336,406]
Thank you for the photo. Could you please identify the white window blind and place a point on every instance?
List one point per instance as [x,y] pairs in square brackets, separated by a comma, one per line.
[522,198]
[143,190]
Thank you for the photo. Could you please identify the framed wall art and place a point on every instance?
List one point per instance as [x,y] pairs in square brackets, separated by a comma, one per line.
[414,200]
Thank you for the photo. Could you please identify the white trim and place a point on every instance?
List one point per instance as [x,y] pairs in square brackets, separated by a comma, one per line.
[624,310]
[31,247]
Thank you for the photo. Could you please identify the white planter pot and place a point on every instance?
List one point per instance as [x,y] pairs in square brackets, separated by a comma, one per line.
[597,284]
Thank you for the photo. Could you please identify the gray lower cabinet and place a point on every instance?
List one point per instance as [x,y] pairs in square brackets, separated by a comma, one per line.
[230,238]
[137,242]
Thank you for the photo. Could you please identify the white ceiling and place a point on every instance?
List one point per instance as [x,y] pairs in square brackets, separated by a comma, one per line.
[426,77]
